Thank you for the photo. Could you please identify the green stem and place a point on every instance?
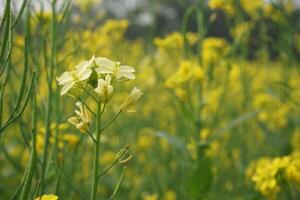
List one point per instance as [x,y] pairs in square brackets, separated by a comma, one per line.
[118,185]
[68,181]
[56,145]
[9,158]
[87,107]
[111,121]
[184,28]
[49,109]
[1,103]
[96,154]
[27,184]
[89,94]
[23,5]
[91,135]
[123,152]
[7,15]
[31,169]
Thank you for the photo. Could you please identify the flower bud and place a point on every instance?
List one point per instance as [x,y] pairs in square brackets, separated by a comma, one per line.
[82,119]
[131,99]
[104,89]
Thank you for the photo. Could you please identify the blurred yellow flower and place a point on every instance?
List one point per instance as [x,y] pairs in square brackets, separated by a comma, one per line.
[71,139]
[150,197]
[107,157]
[228,6]
[213,49]
[47,197]
[169,195]
[252,7]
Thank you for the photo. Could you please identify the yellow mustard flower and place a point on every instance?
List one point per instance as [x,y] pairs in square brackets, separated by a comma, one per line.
[47,197]
[226,5]
[213,49]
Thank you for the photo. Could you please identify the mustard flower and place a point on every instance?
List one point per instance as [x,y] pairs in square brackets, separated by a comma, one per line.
[120,72]
[47,197]
[68,80]
[81,73]
[84,69]
[82,120]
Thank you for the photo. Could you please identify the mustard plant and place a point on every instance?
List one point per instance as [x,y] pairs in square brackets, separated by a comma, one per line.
[95,79]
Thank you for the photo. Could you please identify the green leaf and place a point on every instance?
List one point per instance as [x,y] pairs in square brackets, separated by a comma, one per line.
[200,179]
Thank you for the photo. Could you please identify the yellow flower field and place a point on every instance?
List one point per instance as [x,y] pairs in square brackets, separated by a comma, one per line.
[149,100]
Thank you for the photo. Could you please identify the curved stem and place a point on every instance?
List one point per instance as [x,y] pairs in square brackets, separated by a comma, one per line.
[123,153]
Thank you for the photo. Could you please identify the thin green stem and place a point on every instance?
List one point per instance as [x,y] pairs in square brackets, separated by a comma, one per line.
[17,191]
[68,181]
[1,103]
[91,135]
[23,81]
[23,5]
[32,162]
[121,155]
[9,158]
[118,184]
[96,154]
[89,94]
[22,108]
[111,121]
[27,184]
[103,109]
[9,50]
[49,107]
[87,107]
[7,28]
[184,28]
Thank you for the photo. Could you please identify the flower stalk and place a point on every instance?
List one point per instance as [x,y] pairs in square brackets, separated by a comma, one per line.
[95,78]
[96,154]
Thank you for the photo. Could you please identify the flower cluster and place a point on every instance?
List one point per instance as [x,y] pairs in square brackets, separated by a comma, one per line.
[174,42]
[213,49]
[268,174]
[188,72]
[96,78]
[228,6]
[97,68]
